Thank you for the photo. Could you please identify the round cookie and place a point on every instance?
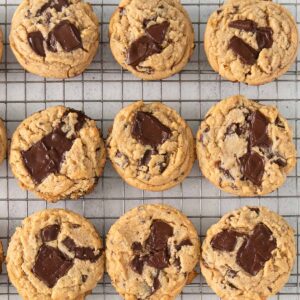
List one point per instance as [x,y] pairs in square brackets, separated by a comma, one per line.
[54,38]
[248,254]
[151,39]
[55,254]
[251,41]
[151,146]
[151,253]
[57,153]
[3,141]
[245,148]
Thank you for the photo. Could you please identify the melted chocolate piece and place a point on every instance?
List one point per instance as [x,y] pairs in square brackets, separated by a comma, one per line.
[82,253]
[36,42]
[84,278]
[259,130]
[156,284]
[46,156]
[148,44]
[225,240]
[147,157]
[281,162]
[56,4]
[256,209]
[246,25]
[253,167]
[158,32]
[235,128]
[246,53]
[50,265]
[256,250]
[148,130]
[183,243]
[67,35]
[137,264]
[50,233]
[264,37]
[158,259]
[136,246]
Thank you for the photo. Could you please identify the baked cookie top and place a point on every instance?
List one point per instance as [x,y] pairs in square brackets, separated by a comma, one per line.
[54,38]
[3,141]
[248,254]
[244,147]
[57,153]
[251,41]
[152,39]
[151,253]
[55,254]
[151,146]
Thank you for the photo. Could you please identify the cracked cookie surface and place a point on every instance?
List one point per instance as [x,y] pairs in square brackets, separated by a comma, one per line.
[151,253]
[57,153]
[248,254]
[151,39]
[151,146]
[245,148]
[251,41]
[54,38]
[55,254]
[3,141]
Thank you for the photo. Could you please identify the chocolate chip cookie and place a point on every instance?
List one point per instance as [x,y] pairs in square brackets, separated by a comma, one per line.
[151,253]
[151,39]
[57,153]
[251,41]
[248,254]
[54,38]
[151,146]
[245,148]
[55,254]
[3,141]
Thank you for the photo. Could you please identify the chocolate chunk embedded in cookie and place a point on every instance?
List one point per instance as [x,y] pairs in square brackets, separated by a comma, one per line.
[58,153]
[42,265]
[245,148]
[151,253]
[151,146]
[248,254]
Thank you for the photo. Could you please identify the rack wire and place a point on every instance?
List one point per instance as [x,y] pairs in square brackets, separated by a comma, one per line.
[101,92]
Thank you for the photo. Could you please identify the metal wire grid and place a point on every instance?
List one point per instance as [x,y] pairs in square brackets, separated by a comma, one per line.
[101,92]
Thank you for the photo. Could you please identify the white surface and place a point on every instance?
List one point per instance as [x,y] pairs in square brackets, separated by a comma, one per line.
[101,92]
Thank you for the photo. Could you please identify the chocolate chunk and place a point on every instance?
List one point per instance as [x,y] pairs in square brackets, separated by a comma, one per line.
[232,285]
[279,123]
[137,264]
[156,284]
[148,130]
[225,240]
[46,156]
[50,265]
[140,49]
[259,130]
[264,37]
[281,162]
[81,118]
[158,259]
[147,157]
[183,243]
[84,278]
[246,53]
[159,235]
[82,253]
[67,35]
[224,171]
[256,209]
[253,167]
[231,273]
[50,233]
[235,128]
[56,4]
[158,32]
[256,250]
[246,25]
[136,246]
[36,42]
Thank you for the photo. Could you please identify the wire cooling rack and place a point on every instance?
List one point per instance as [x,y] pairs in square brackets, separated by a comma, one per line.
[101,92]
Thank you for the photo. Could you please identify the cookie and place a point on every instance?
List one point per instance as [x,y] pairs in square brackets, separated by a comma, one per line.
[151,253]
[3,141]
[151,146]
[251,41]
[54,38]
[151,39]
[57,153]
[248,254]
[55,254]
[245,148]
